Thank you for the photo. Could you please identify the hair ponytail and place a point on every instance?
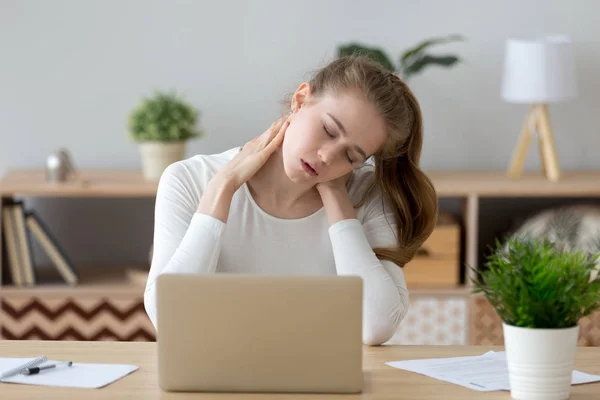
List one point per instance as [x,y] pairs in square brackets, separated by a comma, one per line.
[407,189]
[413,200]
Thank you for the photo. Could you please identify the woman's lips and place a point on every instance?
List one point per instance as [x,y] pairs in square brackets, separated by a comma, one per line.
[309,170]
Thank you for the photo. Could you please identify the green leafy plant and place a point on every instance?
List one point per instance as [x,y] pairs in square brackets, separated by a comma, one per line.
[164,117]
[412,61]
[532,284]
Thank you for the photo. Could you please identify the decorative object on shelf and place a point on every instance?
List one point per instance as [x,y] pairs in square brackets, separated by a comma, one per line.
[59,166]
[162,124]
[572,227]
[412,61]
[540,293]
[538,71]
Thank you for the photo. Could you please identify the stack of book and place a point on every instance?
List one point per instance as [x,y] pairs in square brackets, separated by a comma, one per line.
[19,226]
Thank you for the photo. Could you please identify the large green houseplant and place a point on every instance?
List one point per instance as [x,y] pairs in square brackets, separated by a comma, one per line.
[162,124]
[412,61]
[540,292]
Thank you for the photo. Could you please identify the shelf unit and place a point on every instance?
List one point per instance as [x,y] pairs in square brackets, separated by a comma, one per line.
[107,304]
[469,187]
[103,183]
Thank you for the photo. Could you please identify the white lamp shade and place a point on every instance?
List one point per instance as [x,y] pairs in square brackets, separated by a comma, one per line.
[539,70]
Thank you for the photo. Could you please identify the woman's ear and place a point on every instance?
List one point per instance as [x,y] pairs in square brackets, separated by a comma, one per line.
[300,96]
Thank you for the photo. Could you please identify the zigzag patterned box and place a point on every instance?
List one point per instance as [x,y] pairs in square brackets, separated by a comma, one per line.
[75,318]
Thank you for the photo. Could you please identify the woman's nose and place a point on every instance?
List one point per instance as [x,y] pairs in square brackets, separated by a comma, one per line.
[327,154]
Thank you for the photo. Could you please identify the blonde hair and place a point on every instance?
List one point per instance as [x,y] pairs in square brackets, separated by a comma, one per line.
[404,186]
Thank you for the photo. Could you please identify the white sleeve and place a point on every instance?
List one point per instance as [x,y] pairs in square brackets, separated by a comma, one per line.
[385,296]
[184,241]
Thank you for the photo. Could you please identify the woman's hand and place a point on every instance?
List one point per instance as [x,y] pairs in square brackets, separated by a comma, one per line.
[336,200]
[339,184]
[216,199]
[253,156]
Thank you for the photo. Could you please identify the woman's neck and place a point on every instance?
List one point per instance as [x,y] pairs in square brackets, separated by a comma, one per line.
[272,186]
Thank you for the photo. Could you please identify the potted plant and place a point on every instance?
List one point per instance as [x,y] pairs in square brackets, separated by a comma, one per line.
[412,61]
[162,124]
[540,292]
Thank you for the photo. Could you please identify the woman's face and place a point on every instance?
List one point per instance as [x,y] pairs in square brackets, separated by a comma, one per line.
[330,135]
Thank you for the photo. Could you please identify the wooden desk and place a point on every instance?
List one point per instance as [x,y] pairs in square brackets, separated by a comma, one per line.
[381,381]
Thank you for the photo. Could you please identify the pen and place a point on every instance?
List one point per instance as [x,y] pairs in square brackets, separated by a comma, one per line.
[35,370]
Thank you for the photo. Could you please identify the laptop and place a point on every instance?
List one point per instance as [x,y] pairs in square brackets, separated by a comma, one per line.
[257,333]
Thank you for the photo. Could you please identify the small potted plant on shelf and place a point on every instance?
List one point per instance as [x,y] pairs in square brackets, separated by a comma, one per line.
[162,124]
[540,292]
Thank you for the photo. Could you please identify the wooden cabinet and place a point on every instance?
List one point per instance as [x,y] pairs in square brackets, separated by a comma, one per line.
[437,262]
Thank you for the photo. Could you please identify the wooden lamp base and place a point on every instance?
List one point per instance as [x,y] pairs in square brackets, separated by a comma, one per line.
[537,120]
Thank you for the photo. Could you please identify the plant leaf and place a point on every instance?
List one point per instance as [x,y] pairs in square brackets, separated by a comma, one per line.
[427,43]
[165,117]
[374,53]
[426,60]
[535,284]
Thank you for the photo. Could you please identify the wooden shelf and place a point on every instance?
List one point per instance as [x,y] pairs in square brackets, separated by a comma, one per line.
[496,183]
[457,183]
[94,281]
[89,183]
[123,280]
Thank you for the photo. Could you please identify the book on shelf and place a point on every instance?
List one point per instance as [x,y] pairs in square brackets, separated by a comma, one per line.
[28,274]
[19,227]
[12,247]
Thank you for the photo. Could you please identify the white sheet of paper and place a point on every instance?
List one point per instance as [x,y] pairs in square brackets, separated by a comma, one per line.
[79,375]
[487,372]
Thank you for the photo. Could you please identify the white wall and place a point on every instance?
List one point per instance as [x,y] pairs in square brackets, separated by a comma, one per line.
[71,71]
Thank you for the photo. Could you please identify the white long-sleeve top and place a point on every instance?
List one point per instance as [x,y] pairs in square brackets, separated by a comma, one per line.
[254,242]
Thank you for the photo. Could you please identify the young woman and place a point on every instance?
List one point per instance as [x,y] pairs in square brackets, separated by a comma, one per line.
[301,198]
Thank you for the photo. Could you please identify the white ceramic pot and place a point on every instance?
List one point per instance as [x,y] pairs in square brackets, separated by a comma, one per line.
[540,362]
[157,156]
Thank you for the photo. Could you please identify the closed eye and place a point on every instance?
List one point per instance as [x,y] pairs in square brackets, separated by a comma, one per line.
[351,161]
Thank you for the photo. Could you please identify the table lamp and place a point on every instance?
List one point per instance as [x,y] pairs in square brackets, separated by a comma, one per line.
[538,71]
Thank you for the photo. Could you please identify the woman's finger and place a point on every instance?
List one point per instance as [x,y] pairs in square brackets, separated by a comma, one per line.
[276,142]
[270,133]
